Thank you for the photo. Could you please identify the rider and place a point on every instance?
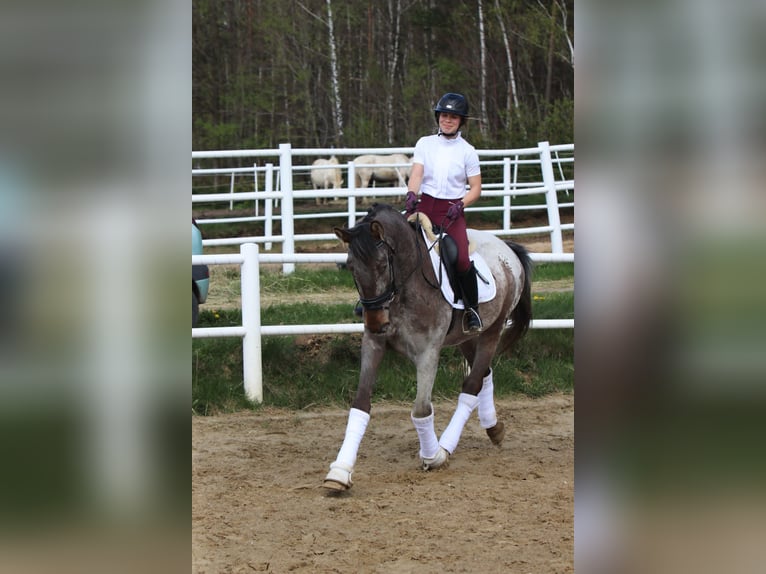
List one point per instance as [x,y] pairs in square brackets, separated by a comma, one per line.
[441,166]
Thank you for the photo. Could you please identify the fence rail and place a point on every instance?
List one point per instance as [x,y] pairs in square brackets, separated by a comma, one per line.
[251,331]
[547,177]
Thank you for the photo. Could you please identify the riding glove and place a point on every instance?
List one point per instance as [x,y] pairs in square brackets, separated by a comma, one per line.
[410,203]
[455,210]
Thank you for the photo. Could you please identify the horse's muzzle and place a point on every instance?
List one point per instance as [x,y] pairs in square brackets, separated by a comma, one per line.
[376,321]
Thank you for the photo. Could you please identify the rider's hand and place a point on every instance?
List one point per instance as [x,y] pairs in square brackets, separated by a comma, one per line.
[410,203]
[455,210]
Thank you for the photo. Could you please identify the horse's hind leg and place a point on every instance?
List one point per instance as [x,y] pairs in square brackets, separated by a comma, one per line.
[486,407]
[487,413]
[478,393]
[466,404]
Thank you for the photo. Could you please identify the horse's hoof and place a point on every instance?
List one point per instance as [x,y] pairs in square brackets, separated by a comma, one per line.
[497,433]
[333,486]
[339,478]
[440,459]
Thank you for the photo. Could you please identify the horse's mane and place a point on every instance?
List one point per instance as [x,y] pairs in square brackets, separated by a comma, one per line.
[363,245]
[384,210]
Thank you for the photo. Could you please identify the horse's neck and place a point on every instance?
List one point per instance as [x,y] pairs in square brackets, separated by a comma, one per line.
[413,264]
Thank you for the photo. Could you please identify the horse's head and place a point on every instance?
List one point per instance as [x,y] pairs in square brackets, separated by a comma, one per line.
[371,253]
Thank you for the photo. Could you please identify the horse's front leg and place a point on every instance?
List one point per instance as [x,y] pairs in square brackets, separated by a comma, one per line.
[339,477]
[431,454]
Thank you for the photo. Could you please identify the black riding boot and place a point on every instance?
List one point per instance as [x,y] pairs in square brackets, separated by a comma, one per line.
[470,289]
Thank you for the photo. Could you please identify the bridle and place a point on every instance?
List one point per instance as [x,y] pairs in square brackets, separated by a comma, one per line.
[376,308]
[382,301]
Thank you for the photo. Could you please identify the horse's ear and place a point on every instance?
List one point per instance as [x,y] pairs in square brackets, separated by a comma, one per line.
[342,234]
[376,229]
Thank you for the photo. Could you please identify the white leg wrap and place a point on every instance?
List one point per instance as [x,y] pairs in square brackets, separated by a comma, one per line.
[487,414]
[341,469]
[429,444]
[465,405]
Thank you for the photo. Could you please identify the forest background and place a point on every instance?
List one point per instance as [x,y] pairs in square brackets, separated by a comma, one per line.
[351,73]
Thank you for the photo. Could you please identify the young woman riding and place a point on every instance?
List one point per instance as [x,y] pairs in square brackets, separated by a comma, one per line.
[442,165]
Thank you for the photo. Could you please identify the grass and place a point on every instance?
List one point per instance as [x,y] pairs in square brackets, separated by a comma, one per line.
[312,370]
[551,272]
[306,281]
[311,281]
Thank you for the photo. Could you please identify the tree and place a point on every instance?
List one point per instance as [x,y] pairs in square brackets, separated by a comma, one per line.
[337,109]
[358,74]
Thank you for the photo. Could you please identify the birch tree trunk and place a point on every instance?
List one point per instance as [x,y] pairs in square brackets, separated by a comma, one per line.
[394,16]
[563,9]
[484,126]
[337,110]
[512,94]
[549,75]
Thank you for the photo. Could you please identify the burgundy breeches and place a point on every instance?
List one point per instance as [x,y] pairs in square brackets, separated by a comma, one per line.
[436,210]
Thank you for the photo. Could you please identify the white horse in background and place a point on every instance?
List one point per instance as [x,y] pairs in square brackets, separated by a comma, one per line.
[378,168]
[324,177]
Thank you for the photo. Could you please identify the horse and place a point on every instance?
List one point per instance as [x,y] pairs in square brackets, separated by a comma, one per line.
[379,168]
[325,177]
[403,309]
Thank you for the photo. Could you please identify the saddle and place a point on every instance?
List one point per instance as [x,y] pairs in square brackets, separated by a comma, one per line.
[444,245]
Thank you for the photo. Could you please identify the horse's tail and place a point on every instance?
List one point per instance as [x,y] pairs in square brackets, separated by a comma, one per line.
[521,315]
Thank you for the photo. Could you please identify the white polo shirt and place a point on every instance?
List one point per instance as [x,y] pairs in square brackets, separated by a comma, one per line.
[447,165]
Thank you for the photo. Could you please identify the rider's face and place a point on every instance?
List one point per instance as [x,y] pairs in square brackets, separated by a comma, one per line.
[449,123]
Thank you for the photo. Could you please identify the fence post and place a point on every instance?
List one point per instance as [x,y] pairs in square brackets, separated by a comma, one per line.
[351,198]
[551,199]
[506,193]
[286,177]
[231,192]
[255,186]
[268,187]
[251,321]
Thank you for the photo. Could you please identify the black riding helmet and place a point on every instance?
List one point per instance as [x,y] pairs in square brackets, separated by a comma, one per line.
[453,104]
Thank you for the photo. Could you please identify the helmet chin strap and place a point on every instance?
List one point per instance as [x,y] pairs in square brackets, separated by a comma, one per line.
[446,135]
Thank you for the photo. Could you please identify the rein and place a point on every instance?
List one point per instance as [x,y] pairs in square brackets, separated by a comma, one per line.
[442,229]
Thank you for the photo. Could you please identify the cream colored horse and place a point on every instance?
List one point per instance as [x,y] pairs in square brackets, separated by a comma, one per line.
[325,177]
[382,169]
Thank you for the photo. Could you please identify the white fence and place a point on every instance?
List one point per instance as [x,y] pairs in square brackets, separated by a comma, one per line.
[251,329]
[528,171]
[549,159]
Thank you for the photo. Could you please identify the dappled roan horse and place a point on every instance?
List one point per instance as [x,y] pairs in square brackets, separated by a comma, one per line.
[404,309]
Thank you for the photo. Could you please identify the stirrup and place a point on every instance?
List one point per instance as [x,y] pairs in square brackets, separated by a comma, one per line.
[472,321]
